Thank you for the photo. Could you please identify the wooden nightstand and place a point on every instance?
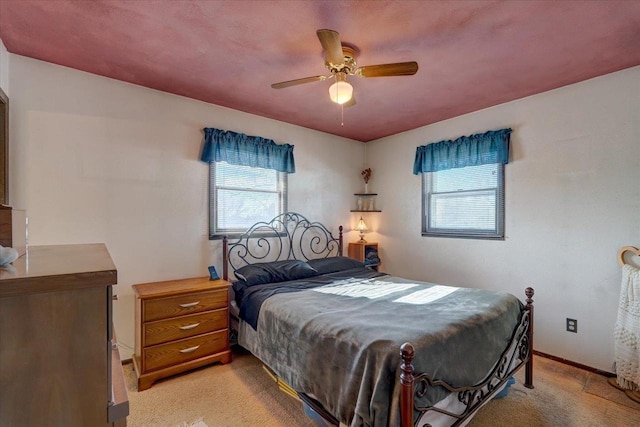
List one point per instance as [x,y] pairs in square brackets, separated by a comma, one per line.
[360,251]
[180,325]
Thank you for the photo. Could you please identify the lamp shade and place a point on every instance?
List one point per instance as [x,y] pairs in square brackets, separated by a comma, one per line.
[362,228]
[341,92]
[361,225]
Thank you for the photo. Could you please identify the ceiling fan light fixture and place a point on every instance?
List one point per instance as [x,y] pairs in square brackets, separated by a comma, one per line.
[341,92]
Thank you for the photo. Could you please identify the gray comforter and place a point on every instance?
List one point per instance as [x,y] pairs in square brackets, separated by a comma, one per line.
[340,342]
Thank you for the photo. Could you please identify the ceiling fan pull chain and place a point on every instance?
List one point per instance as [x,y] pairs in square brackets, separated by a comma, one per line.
[341,105]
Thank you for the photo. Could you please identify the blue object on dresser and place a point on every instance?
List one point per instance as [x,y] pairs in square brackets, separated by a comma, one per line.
[212,273]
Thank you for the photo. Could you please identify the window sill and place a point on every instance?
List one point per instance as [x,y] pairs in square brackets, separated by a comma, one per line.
[464,236]
[244,235]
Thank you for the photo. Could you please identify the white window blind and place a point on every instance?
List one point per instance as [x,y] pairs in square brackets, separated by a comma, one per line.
[464,202]
[242,195]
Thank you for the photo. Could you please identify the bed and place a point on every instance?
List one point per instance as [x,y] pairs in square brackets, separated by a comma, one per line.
[363,348]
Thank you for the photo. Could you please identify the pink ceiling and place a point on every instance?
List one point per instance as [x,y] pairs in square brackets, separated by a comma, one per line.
[472,54]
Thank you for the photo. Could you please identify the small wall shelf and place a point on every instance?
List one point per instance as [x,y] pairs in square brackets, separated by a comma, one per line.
[366,202]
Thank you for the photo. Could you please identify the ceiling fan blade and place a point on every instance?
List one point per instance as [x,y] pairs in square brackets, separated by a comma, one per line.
[385,70]
[295,82]
[330,41]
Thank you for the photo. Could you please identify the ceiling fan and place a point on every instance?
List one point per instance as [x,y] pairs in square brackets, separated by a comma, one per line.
[340,60]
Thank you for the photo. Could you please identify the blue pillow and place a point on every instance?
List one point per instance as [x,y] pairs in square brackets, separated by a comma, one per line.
[252,274]
[333,264]
[238,289]
[272,272]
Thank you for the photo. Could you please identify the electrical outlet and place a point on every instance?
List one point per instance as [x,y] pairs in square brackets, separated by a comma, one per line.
[572,325]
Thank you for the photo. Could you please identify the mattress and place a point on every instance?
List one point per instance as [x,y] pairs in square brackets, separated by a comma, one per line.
[336,338]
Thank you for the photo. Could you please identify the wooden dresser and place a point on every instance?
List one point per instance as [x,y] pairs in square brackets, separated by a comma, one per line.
[180,325]
[59,363]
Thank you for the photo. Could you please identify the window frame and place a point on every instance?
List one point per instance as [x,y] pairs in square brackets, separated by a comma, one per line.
[497,234]
[217,234]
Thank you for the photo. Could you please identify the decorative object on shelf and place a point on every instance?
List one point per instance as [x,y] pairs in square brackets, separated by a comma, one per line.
[366,202]
[366,174]
[361,228]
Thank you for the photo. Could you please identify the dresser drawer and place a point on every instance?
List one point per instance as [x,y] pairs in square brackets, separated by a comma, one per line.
[176,352]
[177,328]
[163,308]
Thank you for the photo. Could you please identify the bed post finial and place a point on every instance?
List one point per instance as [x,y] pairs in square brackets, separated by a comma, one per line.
[340,241]
[529,293]
[528,378]
[225,260]
[407,352]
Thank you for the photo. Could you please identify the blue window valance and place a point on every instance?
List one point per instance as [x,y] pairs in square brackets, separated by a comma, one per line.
[474,150]
[240,149]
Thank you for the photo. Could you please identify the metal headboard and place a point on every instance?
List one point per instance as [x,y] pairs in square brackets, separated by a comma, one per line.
[287,236]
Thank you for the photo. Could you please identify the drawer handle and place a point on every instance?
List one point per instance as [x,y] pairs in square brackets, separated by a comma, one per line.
[191,304]
[190,349]
[187,327]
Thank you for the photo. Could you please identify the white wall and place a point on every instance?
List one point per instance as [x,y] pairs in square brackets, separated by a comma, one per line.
[98,160]
[572,200]
[4,68]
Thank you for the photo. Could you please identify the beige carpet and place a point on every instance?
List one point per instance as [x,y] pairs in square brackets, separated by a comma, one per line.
[563,396]
[242,394]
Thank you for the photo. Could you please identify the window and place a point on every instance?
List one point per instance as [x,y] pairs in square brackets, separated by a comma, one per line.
[464,202]
[247,180]
[463,185]
[240,196]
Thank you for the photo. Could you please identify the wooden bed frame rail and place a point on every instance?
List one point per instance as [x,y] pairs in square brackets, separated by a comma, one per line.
[473,397]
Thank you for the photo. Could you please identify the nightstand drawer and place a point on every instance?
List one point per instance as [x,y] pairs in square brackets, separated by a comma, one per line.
[163,308]
[177,328]
[176,352]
